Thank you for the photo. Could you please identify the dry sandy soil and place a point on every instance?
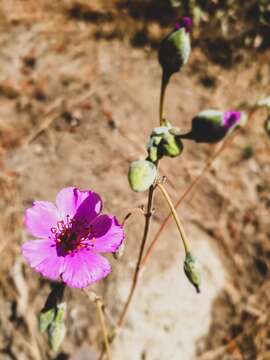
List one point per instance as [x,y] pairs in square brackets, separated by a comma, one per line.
[77,104]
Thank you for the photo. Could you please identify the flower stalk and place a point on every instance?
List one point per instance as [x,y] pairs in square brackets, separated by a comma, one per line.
[97,300]
[164,83]
[103,328]
[175,216]
[148,219]
[226,143]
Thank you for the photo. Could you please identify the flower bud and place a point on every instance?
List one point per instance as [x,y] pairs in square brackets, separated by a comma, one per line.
[175,48]
[171,145]
[211,126]
[45,319]
[155,139]
[192,270]
[164,141]
[141,175]
[57,329]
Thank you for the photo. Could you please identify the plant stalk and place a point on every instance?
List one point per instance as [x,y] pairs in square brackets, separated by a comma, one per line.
[175,216]
[164,83]
[103,328]
[192,185]
[148,219]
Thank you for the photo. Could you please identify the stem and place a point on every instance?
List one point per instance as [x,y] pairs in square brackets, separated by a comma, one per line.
[103,328]
[184,195]
[164,83]
[148,219]
[175,216]
[101,309]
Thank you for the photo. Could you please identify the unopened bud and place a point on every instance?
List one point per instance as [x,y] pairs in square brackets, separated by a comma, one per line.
[175,48]
[171,145]
[45,319]
[57,329]
[211,126]
[141,175]
[192,270]
[164,141]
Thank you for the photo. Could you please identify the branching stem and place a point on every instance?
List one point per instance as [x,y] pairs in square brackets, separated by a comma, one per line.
[175,216]
[194,183]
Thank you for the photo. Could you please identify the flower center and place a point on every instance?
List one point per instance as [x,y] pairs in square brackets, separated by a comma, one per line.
[71,236]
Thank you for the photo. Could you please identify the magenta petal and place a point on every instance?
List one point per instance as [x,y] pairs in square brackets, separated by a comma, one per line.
[84,268]
[40,218]
[107,233]
[80,204]
[41,255]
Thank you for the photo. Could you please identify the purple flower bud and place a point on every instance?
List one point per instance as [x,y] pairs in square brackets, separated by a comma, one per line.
[211,126]
[231,118]
[174,49]
[185,22]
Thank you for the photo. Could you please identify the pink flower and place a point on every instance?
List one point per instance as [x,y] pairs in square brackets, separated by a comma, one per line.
[70,237]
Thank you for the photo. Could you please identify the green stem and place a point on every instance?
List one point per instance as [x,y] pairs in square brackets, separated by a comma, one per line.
[175,216]
[164,83]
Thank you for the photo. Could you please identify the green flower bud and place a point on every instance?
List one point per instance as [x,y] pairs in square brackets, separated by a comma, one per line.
[192,270]
[57,329]
[141,175]
[171,145]
[175,48]
[164,141]
[153,144]
[45,319]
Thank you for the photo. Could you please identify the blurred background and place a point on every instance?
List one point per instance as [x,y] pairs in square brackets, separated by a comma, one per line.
[79,92]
